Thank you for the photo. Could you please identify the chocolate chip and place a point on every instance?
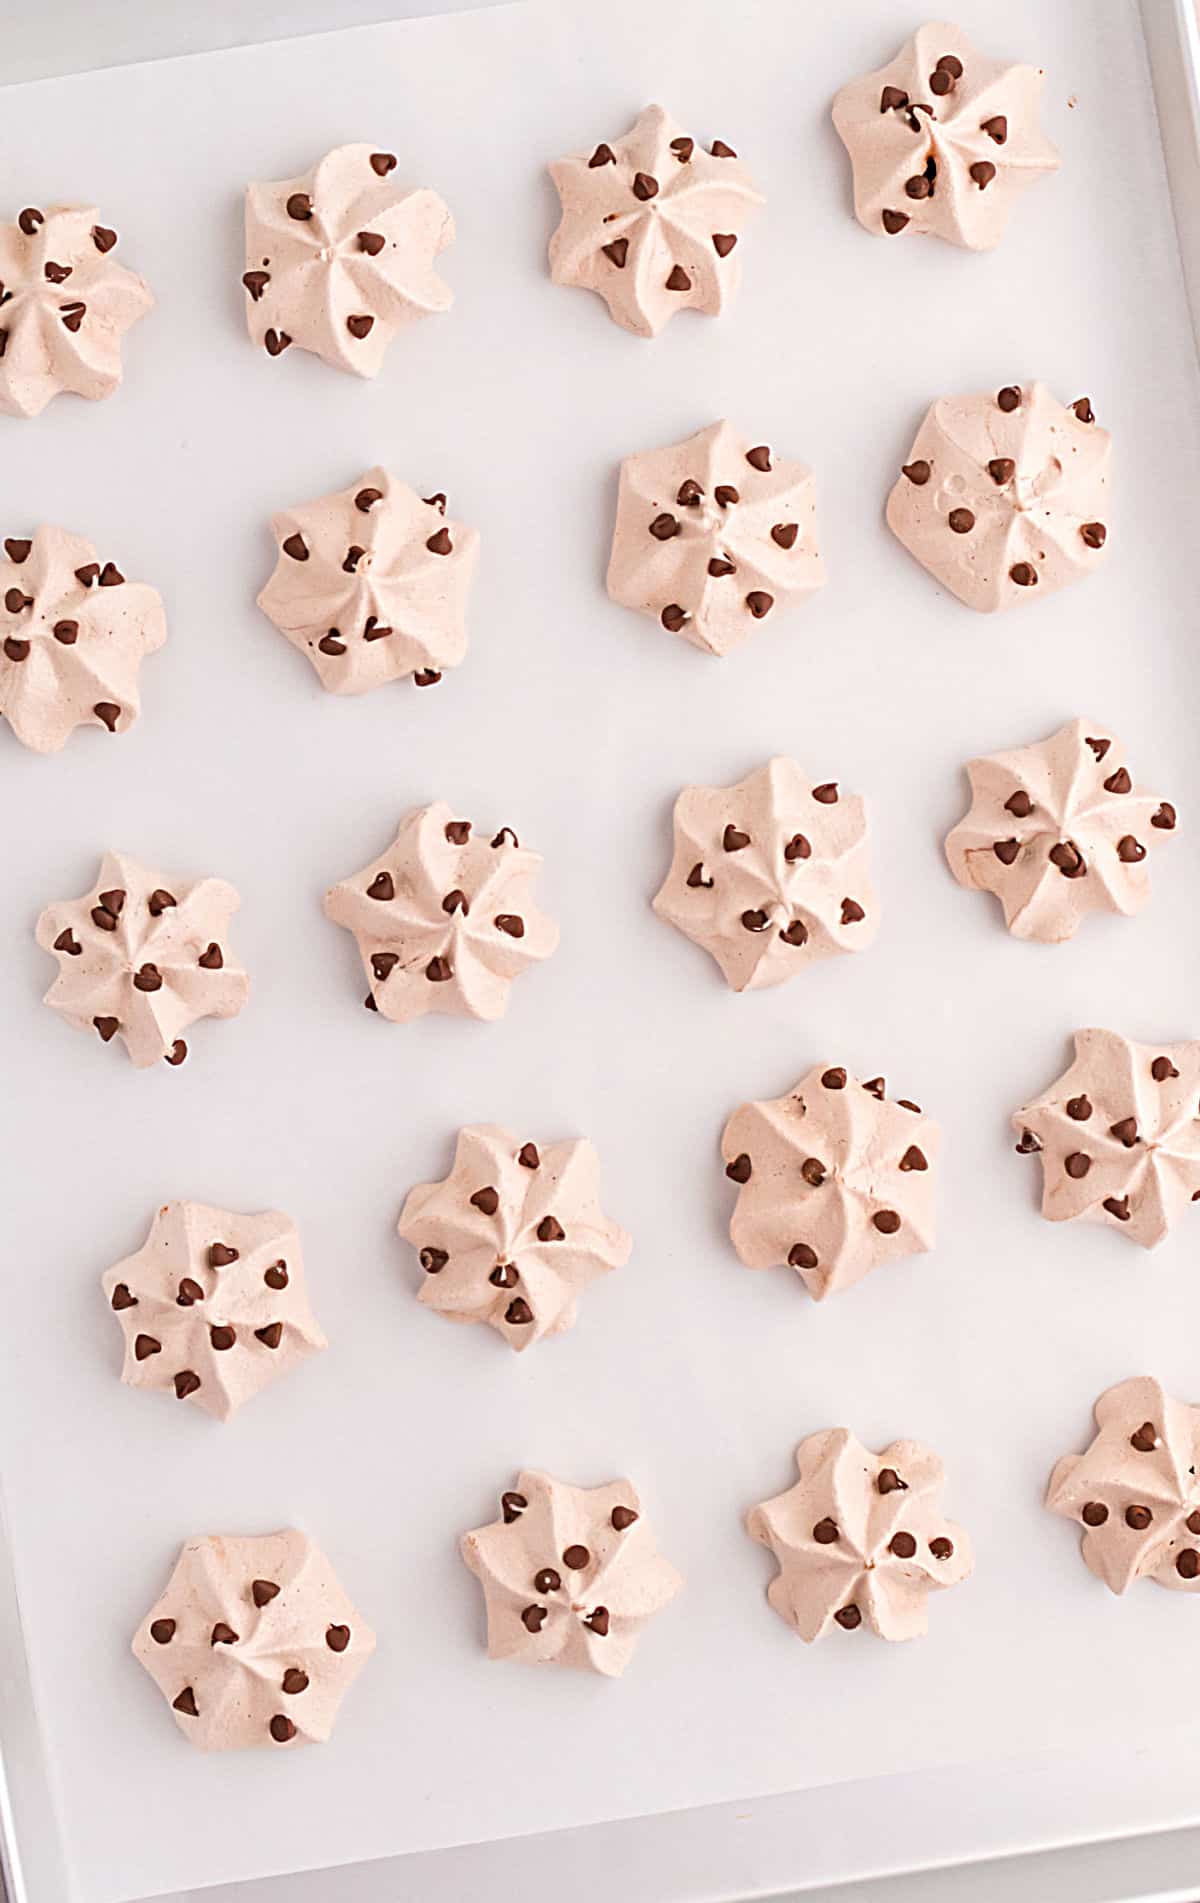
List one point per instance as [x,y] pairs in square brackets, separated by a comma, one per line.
[332,643]
[511,924]
[1069,860]
[918,472]
[1193,1522]
[740,1170]
[190,1292]
[1129,851]
[1094,534]
[603,155]
[962,521]
[755,921]
[759,458]
[337,1637]
[1118,782]
[1117,1206]
[891,99]
[371,242]
[941,82]
[295,1681]
[941,1548]
[1083,409]
[1138,1518]
[145,1346]
[103,238]
[440,543]
[1095,1513]
[282,1729]
[108,713]
[902,1545]
[725,495]
[17,549]
[918,186]
[256,283]
[486,1200]
[679,279]
[1024,574]
[123,1297]
[664,527]
[733,839]
[889,1481]
[673,617]
[276,1276]
[88,573]
[796,933]
[519,1313]
[262,1591]
[296,546]
[360,326]
[549,1230]
[56,273]
[813,1171]
[801,1256]
[456,901]
[299,206]
[220,1255]
[73,316]
[433,1261]
[67,632]
[877,1087]
[1009,398]
[996,128]
[598,1621]
[276,342]
[1126,1131]
[1028,1145]
[505,835]
[512,1505]
[1077,1165]
[721,565]
[382,163]
[644,186]
[689,494]
[983,172]
[1187,1563]
[29,220]
[759,603]
[1006,850]
[1164,819]
[1001,469]
[439,970]
[162,1631]
[426,677]
[177,1053]
[271,1335]
[222,1338]
[617,251]
[504,1276]
[160,901]
[848,1618]
[834,1079]
[720,150]
[458,832]
[825,1532]
[852,912]
[382,886]
[186,1703]
[147,978]
[1079,1109]
[1162,1069]
[723,242]
[886,1221]
[533,1618]
[914,1159]
[107,1027]
[894,221]
[186,1382]
[16,601]
[622,1518]
[1144,1439]
[826,794]
[696,877]
[16,650]
[577,1557]
[797,847]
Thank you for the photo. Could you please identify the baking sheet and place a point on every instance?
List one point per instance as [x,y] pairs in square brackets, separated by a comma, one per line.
[577,723]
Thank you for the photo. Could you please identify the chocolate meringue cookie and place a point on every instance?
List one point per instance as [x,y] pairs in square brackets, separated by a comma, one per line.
[65,305]
[860,1537]
[712,535]
[651,223]
[254,1642]
[371,584]
[1004,497]
[1135,1490]
[213,1306]
[770,874]
[1118,1136]
[834,1179]
[341,258]
[943,140]
[570,1575]
[1058,830]
[73,635]
[141,957]
[514,1234]
[444,920]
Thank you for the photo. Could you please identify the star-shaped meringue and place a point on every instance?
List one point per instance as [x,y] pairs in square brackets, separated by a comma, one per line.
[73,635]
[570,1575]
[141,957]
[1058,830]
[1135,1490]
[712,534]
[514,1234]
[341,258]
[770,874]
[65,305]
[943,140]
[651,222]
[1118,1135]
[254,1641]
[1004,497]
[860,1536]
[371,584]
[834,1179]
[444,920]
[213,1306]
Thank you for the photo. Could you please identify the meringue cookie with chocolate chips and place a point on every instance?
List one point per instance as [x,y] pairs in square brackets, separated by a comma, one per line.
[142,956]
[1004,497]
[73,635]
[444,920]
[1135,1490]
[570,1575]
[834,1179]
[943,140]
[514,1234]
[65,306]
[713,535]
[1058,830]
[770,874]
[860,1538]
[371,584]
[651,223]
[253,1642]
[341,259]
[1118,1136]
[213,1306]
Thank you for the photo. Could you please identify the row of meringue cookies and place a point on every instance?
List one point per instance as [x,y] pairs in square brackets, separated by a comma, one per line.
[942,141]
[712,535]
[254,1641]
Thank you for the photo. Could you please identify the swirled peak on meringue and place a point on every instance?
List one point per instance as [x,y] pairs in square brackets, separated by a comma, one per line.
[1005,495]
[770,874]
[341,258]
[651,222]
[943,140]
[73,635]
[65,306]
[712,535]
[371,584]
[1058,830]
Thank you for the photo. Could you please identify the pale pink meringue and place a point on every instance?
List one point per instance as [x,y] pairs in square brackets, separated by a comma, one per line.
[65,305]
[1135,1490]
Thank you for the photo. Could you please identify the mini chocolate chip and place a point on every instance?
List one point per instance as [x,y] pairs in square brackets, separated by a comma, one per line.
[597,1621]
[1193,1522]
[796,933]
[439,971]
[941,82]
[962,521]
[222,1338]
[834,1079]
[177,1052]
[679,279]
[886,1221]
[1164,819]
[360,326]
[1083,409]
[996,128]
[160,901]
[848,1618]
[295,1681]
[1095,1513]
[337,1637]
[276,1276]
[914,1159]
[512,1505]
[271,1335]
[1001,469]
[902,1545]
[1028,1145]
[617,251]
[276,342]
[1009,398]
[941,1548]
[1144,1439]
[533,1618]
[212,959]
[504,1276]
[1126,1131]
[1138,1517]
[16,601]
[433,1261]
[826,794]
[440,543]
[1094,534]
[918,472]
[147,978]
[332,643]
[456,901]
[186,1703]
[733,839]
[73,315]
[190,1292]
[801,1256]
[458,832]
[382,886]
[759,603]
[282,1729]
[17,549]
[825,1532]
[256,283]
[222,1634]
[852,912]
[577,1557]
[983,172]
[220,1255]
[603,155]
[262,1591]
[108,713]
[1129,851]
[1077,1165]
[519,1313]
[427,676]
[103,237]
[511,924]
[891,99]
[696,877]
[162,1631]
[725,495]
[720,150]
[296,546]
[486,1200]
[29,220]
[123,1297]
[1069,860]
[894,221]
[371,242]
[1117,1206]
[16,650]
[877,1087]
[740,1170]
[1187,1563]
[1162,1069]
[759,458]
[644,186]
[145,1346]
[622,1518]
[1006,850]
[299,207]
[547,1580]
[918,186]
[673,617]
[506,835]
[797,847]
[107,1027]
[721,565]
[889,1481]
[186,1382]
[664,527]
[813,1171]
[723,242]
[755,921]
[1079,1109]
[550,1230]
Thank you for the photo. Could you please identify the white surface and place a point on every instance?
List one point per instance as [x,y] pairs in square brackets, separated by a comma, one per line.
[577,723]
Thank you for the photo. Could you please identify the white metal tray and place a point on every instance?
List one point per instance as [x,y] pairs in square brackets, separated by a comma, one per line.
[757,1764]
